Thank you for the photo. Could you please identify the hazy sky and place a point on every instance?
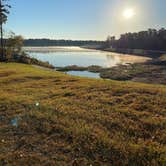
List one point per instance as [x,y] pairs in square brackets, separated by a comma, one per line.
[83,19]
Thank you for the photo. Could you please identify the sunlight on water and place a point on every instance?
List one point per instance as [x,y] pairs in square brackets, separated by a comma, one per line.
[66,56]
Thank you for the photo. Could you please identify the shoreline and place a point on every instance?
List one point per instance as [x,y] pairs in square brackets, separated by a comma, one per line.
[125,51]
[152,72]
[148,70]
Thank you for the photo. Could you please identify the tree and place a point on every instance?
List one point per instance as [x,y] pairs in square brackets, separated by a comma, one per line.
[151,39]
[13,46]
[4,11]
[110,42]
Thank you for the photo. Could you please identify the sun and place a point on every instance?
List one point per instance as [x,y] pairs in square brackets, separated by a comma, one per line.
[128,13]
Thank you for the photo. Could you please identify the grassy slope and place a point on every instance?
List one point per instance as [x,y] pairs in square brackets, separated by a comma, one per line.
[84,121]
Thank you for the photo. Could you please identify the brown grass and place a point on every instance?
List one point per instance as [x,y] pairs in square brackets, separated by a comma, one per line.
[79,121]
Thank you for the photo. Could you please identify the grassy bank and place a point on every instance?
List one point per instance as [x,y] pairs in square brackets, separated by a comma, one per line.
[54,119]
[26,59]
[147,73]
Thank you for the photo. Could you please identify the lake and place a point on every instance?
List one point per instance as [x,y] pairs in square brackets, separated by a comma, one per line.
[67,56]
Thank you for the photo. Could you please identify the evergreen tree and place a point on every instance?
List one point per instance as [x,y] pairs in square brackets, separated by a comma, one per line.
[4,11]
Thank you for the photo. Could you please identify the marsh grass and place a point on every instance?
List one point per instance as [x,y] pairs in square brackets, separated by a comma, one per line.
[78,120]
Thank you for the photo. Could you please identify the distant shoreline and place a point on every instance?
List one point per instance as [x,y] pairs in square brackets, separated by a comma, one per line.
[137,52]
[47,49]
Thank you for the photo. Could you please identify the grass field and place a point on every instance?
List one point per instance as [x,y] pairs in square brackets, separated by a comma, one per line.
[49,118]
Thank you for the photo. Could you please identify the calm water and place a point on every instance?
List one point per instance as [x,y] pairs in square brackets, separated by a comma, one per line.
[84,74]
[82,57]
[66,56]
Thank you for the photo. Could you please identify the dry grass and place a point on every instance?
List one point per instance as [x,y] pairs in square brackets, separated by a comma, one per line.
[65,120]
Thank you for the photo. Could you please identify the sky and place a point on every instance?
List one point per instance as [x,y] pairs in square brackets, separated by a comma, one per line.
[83,19]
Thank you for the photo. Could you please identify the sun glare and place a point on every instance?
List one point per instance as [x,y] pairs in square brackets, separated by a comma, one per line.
[128,13]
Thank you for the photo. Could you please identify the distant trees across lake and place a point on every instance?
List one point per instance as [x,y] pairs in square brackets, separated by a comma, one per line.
[48,42]
[151,39]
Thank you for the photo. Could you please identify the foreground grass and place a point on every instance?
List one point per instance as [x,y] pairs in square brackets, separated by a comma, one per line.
[65,120]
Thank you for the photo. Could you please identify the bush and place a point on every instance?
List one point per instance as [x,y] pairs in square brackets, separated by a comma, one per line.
[24,58]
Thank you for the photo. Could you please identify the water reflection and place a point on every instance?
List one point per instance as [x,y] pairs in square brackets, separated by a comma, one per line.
[84,74]
[113,60]
[82,58]
[67,56]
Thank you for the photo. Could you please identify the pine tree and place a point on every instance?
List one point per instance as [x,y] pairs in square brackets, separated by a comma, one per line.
[4,11]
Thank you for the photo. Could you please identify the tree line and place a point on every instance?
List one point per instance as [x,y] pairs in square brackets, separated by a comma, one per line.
[151,39]
[48,42]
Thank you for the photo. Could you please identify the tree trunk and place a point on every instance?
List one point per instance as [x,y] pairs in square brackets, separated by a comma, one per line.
[1,29]
[2,46]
